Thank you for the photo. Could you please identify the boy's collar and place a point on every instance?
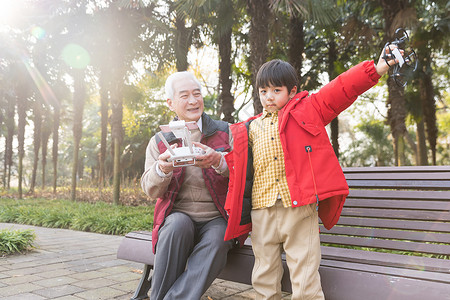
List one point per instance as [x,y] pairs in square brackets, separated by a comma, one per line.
[266,113]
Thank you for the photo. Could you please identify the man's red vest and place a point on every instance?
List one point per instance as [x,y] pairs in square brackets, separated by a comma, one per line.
[215,134]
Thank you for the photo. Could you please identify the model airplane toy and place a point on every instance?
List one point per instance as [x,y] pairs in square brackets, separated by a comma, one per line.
[184,155]
[407,63]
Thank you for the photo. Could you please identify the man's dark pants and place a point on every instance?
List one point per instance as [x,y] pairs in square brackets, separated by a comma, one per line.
[189,256]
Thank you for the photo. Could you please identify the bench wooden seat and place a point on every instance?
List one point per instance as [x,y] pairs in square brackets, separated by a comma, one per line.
[391,242]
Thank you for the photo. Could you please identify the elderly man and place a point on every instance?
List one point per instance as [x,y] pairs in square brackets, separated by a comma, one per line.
[190,220]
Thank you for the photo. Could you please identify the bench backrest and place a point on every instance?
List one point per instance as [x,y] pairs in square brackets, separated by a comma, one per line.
[405,209]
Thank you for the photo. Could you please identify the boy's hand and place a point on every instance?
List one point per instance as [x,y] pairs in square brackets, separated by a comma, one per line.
[382,67]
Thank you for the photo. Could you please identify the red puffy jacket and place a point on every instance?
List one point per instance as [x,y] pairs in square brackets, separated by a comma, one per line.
[312,169]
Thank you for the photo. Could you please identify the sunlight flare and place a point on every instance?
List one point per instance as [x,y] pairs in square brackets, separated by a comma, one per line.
[9,10]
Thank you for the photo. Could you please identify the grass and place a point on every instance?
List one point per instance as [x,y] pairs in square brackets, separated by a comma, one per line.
[97,217]
[16,241]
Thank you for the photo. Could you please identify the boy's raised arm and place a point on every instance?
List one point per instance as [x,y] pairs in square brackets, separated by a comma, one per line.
[341,92]
[382,66]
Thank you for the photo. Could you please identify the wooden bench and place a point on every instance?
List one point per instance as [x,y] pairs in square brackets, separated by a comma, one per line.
[391,242]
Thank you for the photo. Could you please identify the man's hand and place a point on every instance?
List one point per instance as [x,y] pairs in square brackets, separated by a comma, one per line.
[382,67]
[210,158]
[165,166]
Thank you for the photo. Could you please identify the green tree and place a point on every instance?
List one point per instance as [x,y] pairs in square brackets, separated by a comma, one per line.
[9,113]
[115,28]
[144,110]
[220,18]
[397,14]
[79,98]
[431,37]
[37,138]
[373,148]
[22,91]
[258,36]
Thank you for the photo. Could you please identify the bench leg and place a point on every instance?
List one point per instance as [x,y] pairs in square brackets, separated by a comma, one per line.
[144,285]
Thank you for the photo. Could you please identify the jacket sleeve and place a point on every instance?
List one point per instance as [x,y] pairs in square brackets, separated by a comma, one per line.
[236,160]
[341,92]
[153,185]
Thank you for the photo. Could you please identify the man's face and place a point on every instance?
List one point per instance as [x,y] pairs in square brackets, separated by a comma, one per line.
[187,100]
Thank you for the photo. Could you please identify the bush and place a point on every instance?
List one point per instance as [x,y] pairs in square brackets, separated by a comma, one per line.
[16,241]
[97,217]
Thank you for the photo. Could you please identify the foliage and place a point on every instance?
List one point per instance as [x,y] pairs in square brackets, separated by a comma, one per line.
[372,147]
[16,241]
[144,110]
[97,217]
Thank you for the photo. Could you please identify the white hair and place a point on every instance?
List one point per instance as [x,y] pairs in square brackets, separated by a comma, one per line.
[178,76]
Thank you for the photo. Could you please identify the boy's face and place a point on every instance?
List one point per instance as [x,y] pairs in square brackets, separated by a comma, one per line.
[274,98]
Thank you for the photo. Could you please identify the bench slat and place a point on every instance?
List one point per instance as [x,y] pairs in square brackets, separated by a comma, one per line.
[438,176]
[385,204]
[386,244]
[137,246]
[140,235]
[389,234]
[396,194]
[395,224]
[405,169]
[391,271]
[397,214]
[346,284]
[386,259]
[400,184]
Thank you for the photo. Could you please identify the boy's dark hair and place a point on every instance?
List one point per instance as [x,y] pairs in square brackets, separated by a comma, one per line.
[277,72]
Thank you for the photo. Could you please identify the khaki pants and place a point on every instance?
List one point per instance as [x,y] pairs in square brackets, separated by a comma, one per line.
[296,230]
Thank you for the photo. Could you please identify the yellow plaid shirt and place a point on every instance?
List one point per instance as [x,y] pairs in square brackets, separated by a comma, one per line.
[268,161]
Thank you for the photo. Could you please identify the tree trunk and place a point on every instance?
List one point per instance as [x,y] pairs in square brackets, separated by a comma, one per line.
[37,111]
[422,157]
[22,113]
[396,98]
[10,126]
[104,99]
[428,102]
[46,131]
[396,119]
[117,135]
[116,177]
[260,15]
[401,151]
[334,126]
[5,163]
[79,97]
[5,168]
[55,137]
[296,44]
[183,40]
[226,98]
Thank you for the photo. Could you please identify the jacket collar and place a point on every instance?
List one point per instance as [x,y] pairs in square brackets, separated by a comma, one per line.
[209,125]
[284,112]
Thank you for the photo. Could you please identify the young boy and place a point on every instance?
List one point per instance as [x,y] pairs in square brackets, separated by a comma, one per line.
[284,174]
